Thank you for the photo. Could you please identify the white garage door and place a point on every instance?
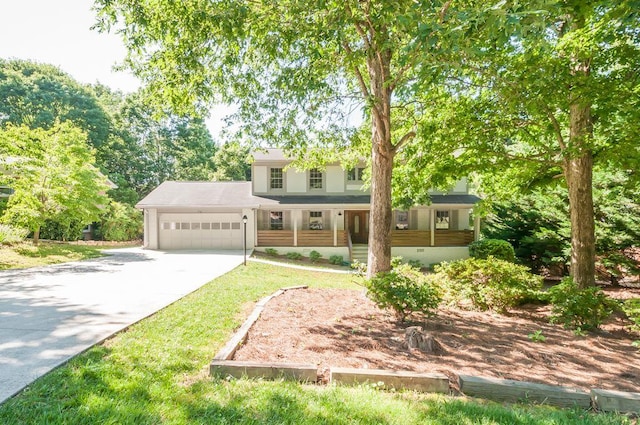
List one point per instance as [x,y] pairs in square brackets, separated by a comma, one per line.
[200,231]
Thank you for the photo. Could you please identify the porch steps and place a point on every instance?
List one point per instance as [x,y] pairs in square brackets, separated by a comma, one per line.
[359,252]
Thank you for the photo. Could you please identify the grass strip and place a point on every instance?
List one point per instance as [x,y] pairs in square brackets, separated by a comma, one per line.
[24,255]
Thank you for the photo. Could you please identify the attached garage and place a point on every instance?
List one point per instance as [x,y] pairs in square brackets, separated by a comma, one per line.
[200,231]
[199,216]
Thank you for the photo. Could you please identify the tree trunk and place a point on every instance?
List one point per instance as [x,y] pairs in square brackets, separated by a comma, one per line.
[578,169]
[36,236]
[579,175]
[382,154]
[379,256]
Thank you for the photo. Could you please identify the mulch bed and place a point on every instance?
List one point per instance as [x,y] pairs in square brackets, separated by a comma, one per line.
[343,328]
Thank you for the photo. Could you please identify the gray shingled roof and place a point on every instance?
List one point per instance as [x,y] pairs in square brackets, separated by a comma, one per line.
[454,199]
[200,194]
[238,195]
[316,199]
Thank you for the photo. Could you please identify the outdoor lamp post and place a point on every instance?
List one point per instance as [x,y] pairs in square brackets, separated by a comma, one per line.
[244,238]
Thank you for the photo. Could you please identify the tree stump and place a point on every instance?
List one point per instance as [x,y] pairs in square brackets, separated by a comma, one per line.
[416,338]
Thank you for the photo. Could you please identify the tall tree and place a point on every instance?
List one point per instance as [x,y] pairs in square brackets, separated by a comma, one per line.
[53,175]
[232,162]
[296,68]
[39,95]
[546,97]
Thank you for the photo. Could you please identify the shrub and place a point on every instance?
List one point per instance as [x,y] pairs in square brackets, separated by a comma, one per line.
[632,309]
[579,308]
[11,235]
[490,284]
[497,248]
[62,231]
[121,222]
[294,255]
[271,251]
[336,259]
[359,267]
[315,256]
[396,261]
[404,290]
[416,264]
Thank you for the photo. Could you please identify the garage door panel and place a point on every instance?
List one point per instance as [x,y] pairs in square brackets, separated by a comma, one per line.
[200,231]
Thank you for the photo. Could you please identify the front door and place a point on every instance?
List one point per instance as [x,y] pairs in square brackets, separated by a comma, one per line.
[358,225]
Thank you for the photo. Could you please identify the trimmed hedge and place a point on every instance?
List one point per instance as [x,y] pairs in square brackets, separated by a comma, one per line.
[405,290]
[496,248]
[490,284]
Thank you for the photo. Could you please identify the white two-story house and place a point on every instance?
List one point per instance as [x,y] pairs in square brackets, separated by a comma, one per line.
[299,211]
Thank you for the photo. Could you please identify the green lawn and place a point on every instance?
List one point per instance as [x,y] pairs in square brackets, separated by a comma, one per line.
[26,254]
[157,372]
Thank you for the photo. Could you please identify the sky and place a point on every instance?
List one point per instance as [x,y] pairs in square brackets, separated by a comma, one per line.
[58,32]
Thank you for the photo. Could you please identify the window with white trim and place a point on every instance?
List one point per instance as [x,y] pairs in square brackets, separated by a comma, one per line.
[315,179]
[355,174]
[275,220]
[315,220]
[276,178]
[442,220]
[402,220]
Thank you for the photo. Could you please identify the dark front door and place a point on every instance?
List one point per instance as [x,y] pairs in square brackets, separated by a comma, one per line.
[358,224]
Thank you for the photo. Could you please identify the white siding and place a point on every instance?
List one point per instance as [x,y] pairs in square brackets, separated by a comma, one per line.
[296,181]
[335,179]
[461,186]
[423,219]
[260,179]
[352,186]
[463,219]
[152,228]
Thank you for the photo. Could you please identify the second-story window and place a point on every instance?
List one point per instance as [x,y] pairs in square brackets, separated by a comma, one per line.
[355,174]
[315,179]
[276,178]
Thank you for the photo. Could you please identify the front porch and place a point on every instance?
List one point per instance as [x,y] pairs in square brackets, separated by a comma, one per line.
[343,228]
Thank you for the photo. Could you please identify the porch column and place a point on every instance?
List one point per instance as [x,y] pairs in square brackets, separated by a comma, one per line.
[476,228]
[295,229]
[335,227]
[432,226]
[255,227]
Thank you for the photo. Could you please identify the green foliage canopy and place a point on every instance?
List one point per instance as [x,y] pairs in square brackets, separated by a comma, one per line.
[53,174]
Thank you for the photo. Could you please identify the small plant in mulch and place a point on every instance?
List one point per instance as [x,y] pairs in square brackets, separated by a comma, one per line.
[271,251]
[294,255]
[314,256]
[336,259]
[537,336]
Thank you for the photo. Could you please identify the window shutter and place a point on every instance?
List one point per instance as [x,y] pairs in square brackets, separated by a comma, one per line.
[286,220]
[305,220]
[454,220]
[262,219]
[413,219]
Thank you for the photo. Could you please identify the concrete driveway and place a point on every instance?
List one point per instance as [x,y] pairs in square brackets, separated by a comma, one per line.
[50,314]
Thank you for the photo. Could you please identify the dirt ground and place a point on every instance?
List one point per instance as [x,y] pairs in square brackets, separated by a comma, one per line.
[336,327]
